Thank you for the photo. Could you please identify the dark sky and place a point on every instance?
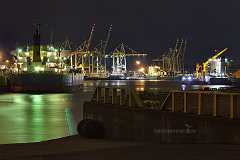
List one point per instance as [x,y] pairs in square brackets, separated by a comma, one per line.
[146,25]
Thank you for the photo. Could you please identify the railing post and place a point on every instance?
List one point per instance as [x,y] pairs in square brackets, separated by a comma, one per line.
[231,107]
[173,102]
[185,102]
[214,104]
[112,98]
[122,94]
[106,95]
[98,94]
[114,95]
[199,103]
[129,97]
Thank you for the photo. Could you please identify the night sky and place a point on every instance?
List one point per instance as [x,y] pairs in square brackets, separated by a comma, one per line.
[151,26]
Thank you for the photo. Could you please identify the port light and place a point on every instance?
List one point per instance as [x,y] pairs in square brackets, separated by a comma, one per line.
[207,78]
[141,69]
[19,50]
[51,48]
[189,78]
[27,54]
[2,67]
[38,69]
[183,87]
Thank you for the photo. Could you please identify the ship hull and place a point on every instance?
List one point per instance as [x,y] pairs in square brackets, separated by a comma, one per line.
[38,82]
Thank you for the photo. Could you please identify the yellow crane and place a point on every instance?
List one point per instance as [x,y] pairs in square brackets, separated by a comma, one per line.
[201,69]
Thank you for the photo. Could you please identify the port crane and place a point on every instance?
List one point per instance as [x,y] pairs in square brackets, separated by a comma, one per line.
[105,47]
[83,57]
[201,69]
[119,58]
[172,61]
[100,51]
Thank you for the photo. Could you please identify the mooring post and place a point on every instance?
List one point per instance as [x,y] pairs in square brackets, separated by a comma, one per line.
[185,102]
[231,107]
[214,104]
[199,103]
[173,102]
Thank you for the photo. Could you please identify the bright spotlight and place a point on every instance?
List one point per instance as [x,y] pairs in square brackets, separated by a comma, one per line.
[141,69]
[19,50]
[138,62]
[183,78]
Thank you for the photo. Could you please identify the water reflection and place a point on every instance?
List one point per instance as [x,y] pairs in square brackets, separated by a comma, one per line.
[163,85]
[202,87]
[183,87]
[141,89]
[32,118]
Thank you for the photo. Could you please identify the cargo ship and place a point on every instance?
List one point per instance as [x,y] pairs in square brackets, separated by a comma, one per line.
[32,73]
[46,82]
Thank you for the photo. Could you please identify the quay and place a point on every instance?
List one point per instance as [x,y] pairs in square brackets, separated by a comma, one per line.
[75,147]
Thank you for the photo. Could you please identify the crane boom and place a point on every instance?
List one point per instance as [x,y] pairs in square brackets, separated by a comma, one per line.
[107,40]
[90,38]
[215,56]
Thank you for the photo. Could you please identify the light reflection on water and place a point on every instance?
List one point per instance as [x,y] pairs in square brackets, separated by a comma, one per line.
[33,118]
[150,84]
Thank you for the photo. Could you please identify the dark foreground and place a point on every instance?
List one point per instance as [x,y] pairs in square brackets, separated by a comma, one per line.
[74,148]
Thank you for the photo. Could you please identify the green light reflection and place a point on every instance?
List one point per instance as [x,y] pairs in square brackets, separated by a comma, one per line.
[33,118]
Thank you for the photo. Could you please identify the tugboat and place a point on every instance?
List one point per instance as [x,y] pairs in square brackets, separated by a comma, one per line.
[207,81]
[220,81]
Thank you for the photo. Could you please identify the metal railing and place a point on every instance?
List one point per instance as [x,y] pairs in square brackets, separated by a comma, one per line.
[213,103]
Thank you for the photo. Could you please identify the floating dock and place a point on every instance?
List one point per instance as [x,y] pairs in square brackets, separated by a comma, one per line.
[167,117]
